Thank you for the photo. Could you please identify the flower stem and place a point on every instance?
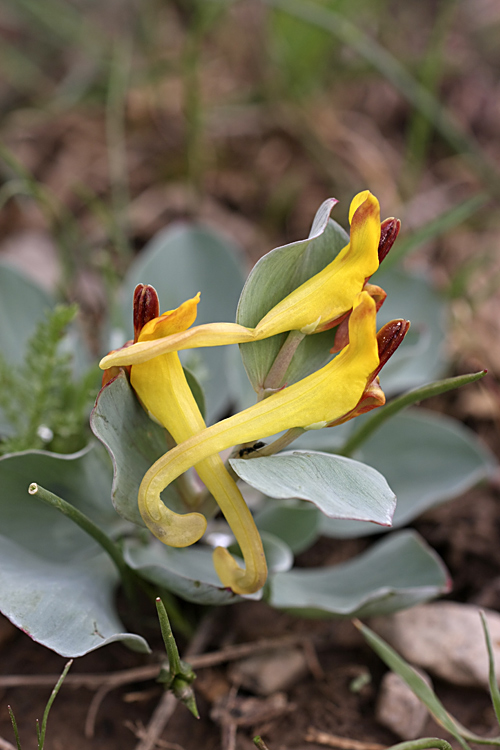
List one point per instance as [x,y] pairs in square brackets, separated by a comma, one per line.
[43,729]
[277,445]
[276,375]
[90,528]
[377,419]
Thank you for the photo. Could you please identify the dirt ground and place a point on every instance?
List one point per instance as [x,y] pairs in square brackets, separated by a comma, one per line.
[266,159]
[464,532]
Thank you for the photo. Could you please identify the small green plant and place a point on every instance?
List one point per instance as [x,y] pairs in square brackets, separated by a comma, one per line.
[43,404]
[41,728]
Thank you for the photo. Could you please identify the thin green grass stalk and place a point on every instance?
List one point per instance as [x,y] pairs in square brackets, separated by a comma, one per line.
[422,690]
[119,78]
[92,530]
[19,70]
[14,727]
[64,226]
[193,111]
[492,678]
[378,417]
[420,129]
[426,743]
[43,729]
[416,94]
[61,22]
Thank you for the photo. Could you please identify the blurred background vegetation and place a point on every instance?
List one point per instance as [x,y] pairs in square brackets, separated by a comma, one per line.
[119,117]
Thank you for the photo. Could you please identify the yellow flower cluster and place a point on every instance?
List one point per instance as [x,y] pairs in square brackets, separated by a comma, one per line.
[343,388]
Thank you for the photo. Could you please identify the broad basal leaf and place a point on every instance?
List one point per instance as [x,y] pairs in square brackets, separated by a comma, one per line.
[66,606]
[187,572]
[83,479]
[421,357]
[396,573]
[294,521]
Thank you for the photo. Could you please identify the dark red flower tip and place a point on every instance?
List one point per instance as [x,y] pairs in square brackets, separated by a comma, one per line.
[146,307]
[389,338]
[389,230]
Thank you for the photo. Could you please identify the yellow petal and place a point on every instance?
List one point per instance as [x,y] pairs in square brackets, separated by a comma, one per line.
[172,321]
[324,397]
[163,390]
[208,334]
[329,294]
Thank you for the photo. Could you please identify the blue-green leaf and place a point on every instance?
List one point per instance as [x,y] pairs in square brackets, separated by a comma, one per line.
[83,479]
[22,305]
[187,572]
[276,275]
[340,487]
[420,358]
[426,457]
[394,574]
[293,521]
[66,606]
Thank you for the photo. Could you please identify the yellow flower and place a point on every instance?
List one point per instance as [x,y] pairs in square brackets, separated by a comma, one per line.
[161,386]
[321,301]
[346,386]
[318,304]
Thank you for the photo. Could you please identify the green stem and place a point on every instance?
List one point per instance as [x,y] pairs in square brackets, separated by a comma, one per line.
[174,660]
[41,738]
[377,418]
[115,134]
[14,727]
[192,96]
[90,528]
[181,674]
[278,445]
[276,375]
[423,744]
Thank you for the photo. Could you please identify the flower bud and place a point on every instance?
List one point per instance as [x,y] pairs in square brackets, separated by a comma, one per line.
[389,338]
[389,230]
[146,307]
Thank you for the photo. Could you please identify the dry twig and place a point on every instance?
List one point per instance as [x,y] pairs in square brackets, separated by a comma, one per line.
[343,743]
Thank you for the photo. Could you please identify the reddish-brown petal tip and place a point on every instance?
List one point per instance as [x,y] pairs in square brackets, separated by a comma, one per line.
[389,338]
[389,230]
[146,307]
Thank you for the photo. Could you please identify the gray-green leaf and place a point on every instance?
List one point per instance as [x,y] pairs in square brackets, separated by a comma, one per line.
[396,573]
[340,487]
[276,275]
[66,606]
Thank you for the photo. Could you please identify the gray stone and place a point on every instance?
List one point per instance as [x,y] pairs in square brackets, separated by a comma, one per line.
[446,639]
[270,672]
[399,709]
